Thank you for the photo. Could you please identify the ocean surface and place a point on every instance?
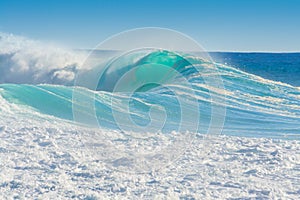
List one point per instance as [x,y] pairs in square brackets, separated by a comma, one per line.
[225,128]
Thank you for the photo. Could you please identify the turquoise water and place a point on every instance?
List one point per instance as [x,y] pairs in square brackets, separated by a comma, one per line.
[255,106]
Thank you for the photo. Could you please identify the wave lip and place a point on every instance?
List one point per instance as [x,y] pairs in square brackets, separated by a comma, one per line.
[151,70]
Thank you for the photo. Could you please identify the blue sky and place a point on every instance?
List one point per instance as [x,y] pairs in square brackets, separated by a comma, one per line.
[219,25]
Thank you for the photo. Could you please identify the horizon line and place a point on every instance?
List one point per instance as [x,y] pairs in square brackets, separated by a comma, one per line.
[212,51]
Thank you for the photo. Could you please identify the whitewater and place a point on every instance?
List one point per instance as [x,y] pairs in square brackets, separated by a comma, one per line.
[47,151]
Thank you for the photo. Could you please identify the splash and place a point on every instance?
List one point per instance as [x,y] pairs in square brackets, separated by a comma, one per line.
[28,61]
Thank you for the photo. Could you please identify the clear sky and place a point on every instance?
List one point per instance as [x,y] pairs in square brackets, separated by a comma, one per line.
[219,25]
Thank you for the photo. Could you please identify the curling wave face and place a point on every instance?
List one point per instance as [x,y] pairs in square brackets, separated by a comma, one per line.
[255,106]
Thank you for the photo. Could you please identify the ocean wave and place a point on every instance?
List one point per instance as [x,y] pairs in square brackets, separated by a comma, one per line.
[46,152]
[41,77]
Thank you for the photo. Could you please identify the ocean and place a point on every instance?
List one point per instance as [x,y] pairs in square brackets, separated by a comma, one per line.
[157,124]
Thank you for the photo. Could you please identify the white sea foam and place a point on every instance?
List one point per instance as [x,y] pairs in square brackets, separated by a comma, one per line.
[44,157]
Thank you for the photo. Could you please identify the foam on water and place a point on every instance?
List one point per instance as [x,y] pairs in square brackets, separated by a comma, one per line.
[42,157]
